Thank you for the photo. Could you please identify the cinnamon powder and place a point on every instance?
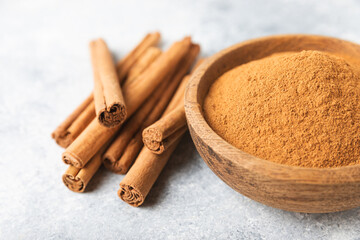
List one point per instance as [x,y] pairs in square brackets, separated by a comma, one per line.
[299,109]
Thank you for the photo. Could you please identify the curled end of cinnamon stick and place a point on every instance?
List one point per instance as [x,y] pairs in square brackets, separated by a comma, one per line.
[160,149]
[113,116]
[152,133]
[153,145]
[130,195]
[71,159]
[73,183]
[112,164]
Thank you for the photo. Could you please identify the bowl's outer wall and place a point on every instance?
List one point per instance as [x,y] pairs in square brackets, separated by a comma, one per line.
[281,186]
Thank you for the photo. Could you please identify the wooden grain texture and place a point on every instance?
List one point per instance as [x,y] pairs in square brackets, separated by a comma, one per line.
[282,186]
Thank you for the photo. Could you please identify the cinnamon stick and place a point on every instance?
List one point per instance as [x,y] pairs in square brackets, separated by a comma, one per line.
[147,167]
[135,93]
[179,95]
[158,136]
[116,149]
[157,72]
[109,101]
[112,158]
[125,64]
[81,123]
[72,126]
[76,179]
[137,183]
[68,130]
[124,150]
[162,133]
[130,153]
[135,145]
[143,62]
[132,124]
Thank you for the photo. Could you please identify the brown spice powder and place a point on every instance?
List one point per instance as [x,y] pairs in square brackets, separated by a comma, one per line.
[299,109]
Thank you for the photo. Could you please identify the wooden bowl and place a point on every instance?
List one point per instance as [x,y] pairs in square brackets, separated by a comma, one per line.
[291,188]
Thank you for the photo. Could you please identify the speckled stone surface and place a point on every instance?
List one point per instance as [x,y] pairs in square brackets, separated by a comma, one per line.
[45,72]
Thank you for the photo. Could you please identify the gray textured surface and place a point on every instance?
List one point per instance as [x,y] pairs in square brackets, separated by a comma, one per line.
[45,72]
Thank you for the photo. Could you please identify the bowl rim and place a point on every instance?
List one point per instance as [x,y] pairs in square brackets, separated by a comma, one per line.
[241,159]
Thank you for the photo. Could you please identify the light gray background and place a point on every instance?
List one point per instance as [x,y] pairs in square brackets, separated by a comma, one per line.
[45,72]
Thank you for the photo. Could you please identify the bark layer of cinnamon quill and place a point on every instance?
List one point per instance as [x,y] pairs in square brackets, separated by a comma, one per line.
[130,195]
[123,151]
[164,132]
[76,179]
[109,101]
[75,123]
[161,134]
[73,183]
[130,65]
[135,93]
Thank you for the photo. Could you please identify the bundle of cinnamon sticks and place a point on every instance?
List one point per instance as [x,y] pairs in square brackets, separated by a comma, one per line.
[134,118]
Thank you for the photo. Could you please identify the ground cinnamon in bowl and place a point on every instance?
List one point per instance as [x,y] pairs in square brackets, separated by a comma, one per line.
[298,108]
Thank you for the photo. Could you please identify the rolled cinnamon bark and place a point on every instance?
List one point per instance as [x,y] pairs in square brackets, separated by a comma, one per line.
[135,93]
[135,145]
[116,149]
[81,123]
[73,125]
[137,183]
[68,130]
[109,101]
[158,136]
[132,125]
[125,64]
[156,100]
[123,151]
[157,72]
[130,153]
[167,125]
[112,158]
[76,179]
[149,56]
[179,95]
